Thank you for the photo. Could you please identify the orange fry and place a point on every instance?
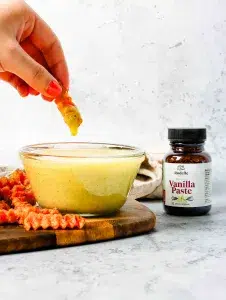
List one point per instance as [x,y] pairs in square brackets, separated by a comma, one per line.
[17,205]
[4,205]
[69,112]
[8,216]
[55,221]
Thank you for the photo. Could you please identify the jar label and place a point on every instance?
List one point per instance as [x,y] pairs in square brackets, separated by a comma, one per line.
[187,185]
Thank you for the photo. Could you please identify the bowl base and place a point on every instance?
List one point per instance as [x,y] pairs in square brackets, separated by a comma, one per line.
[100,215]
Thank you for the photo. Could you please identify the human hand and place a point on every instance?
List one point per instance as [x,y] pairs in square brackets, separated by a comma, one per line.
[31,56]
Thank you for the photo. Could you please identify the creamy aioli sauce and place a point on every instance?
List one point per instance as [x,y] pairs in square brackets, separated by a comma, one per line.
[98,184]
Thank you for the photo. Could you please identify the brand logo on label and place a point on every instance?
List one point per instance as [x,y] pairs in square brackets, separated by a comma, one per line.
[181,170]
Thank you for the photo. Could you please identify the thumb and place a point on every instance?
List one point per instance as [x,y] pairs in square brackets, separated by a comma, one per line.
[34,74]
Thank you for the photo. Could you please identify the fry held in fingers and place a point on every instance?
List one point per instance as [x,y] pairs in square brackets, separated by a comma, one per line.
[69,112]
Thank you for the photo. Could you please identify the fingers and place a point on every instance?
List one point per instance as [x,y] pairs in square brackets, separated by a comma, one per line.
[16,82]
[49,99]
[34,52]
[23,89]
[45,40]
[33,92]
[30,71]
[20,85]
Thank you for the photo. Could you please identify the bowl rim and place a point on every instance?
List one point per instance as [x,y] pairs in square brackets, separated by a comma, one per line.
[29,150]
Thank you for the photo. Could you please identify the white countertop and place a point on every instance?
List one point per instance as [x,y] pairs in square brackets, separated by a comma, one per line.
[184,258]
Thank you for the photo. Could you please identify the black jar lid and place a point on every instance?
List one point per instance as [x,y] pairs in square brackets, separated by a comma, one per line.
[188,135]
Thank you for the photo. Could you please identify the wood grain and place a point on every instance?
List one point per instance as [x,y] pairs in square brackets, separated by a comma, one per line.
[134,218]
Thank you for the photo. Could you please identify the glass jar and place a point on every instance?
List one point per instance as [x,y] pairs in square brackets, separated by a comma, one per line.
[187,173]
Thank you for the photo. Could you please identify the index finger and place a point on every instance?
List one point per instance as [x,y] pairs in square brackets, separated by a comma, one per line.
[47,42]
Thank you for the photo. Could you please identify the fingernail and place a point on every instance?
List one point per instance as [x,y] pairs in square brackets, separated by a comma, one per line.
[54,89]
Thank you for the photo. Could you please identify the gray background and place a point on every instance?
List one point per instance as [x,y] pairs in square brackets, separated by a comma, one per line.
[136,68]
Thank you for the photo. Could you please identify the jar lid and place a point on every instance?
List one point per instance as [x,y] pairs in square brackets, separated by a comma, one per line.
[189,135]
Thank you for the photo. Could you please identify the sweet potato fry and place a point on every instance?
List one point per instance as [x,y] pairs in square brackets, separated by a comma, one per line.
[69,112]
[18,205]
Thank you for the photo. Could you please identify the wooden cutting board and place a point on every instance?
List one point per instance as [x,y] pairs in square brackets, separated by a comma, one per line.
[133,219]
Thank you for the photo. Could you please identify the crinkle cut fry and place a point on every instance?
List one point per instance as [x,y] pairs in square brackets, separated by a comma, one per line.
[19,177]
[23,211]
[8,216]
[17,192]
[55,221]
[4,205]
[17,185]
[69,111]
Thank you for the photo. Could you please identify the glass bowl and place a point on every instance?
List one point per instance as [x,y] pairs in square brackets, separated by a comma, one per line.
[84,178]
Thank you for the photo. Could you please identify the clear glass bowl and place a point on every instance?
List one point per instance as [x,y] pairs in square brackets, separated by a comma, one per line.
[84,178]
